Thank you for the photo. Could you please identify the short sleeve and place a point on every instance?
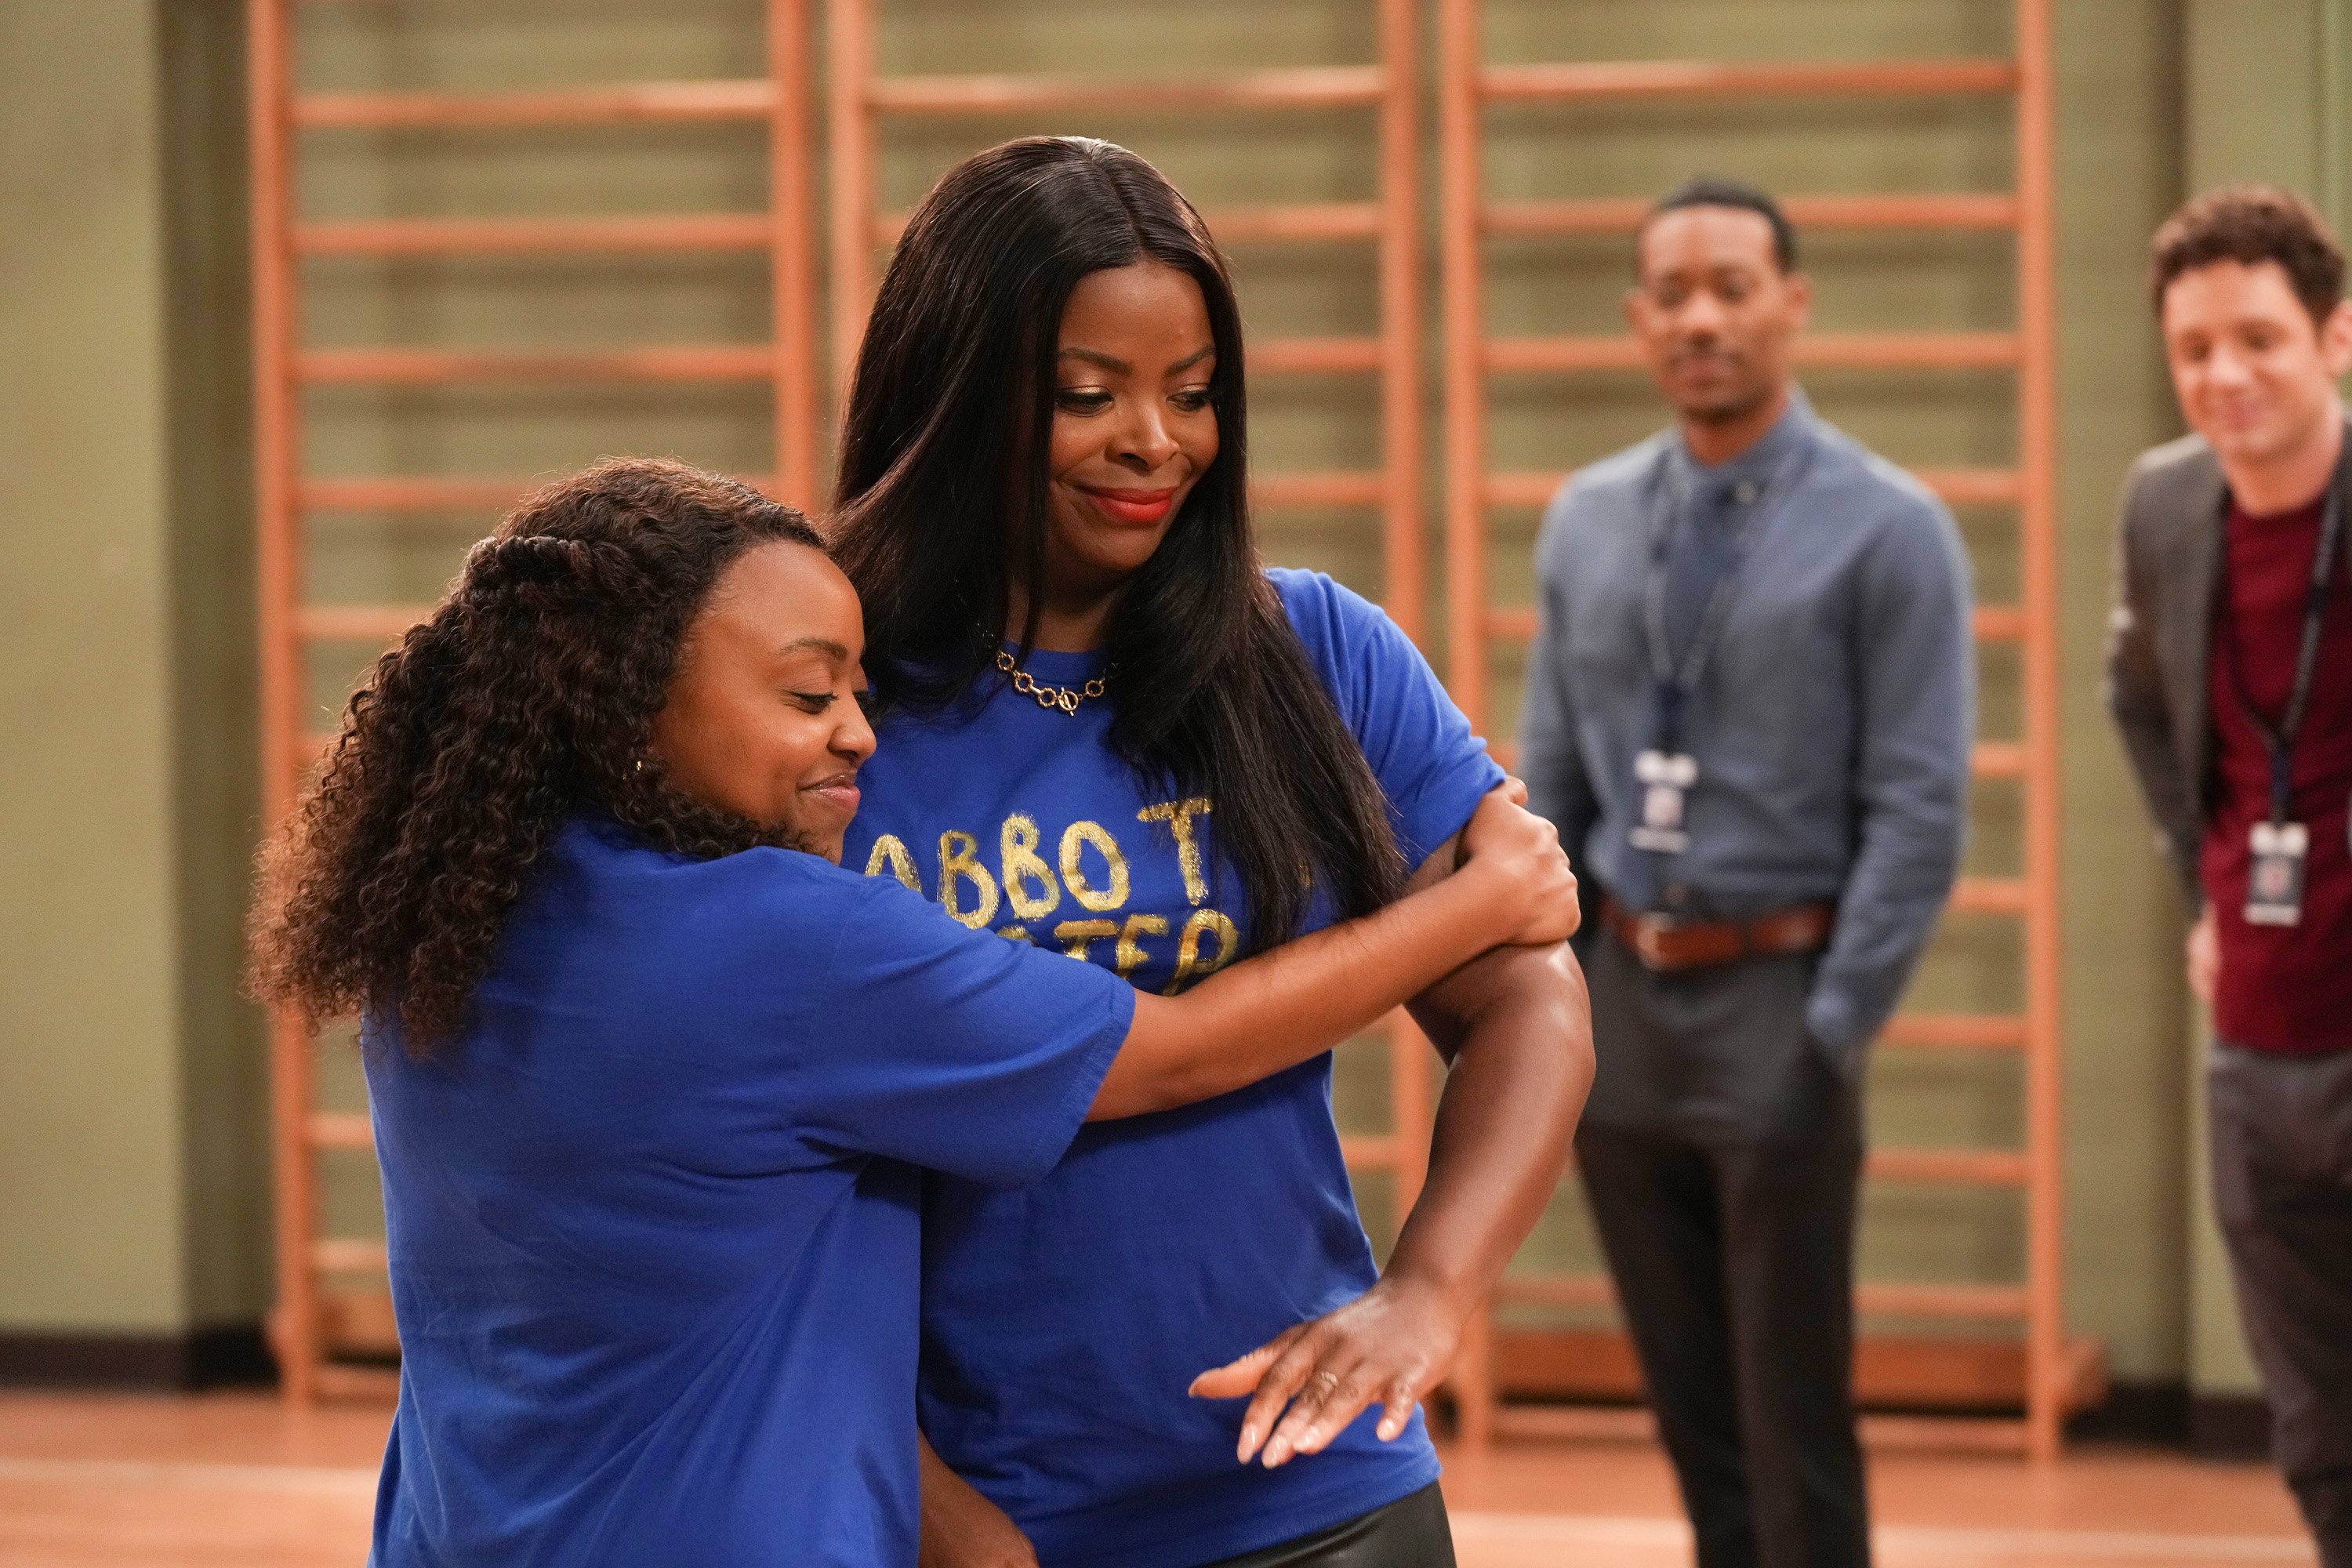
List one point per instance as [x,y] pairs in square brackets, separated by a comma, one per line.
[1432,768]
[953,1049]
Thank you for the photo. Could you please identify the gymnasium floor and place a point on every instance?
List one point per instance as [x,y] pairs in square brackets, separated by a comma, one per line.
[236,1481]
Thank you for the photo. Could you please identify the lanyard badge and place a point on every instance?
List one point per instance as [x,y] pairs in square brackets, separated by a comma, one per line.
[1665,771]
[1666,778]
[2281,849]
[2274,877]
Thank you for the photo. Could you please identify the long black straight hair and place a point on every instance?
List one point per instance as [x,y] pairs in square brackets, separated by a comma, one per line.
[941,501]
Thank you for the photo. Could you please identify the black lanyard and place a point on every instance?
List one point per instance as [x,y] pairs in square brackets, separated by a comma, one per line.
[2280,738]
[1675,683]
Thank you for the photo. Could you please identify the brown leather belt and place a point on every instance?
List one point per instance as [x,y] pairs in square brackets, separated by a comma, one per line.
[1664,943]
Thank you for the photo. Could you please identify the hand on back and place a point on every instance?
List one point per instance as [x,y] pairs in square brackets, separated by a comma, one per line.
[1517,856]
[961,1529]
[2203,953]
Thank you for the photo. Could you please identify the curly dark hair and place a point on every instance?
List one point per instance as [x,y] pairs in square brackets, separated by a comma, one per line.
[525,699]
[2251,223]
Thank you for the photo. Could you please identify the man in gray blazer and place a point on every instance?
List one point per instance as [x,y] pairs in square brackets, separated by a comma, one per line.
[2229,674]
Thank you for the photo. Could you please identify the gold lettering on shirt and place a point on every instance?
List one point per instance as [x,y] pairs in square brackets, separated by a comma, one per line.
[1075,839]
[1190,963]
[1016,844]
[959,862]
[1014,933]
[1178,814]
[1130,952]
[1075,935]
[887,851]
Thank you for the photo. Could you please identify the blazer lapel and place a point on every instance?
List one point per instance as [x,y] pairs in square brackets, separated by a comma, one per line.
[2197,572]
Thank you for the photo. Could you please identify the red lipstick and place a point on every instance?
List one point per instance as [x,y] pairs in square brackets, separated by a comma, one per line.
[1138,507]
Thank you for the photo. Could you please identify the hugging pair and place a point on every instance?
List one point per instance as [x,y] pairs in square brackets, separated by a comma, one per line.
[714,1170]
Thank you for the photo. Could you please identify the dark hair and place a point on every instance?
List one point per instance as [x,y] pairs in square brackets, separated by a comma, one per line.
[942,505]
[528,695]
[1715,191]
[2251,223]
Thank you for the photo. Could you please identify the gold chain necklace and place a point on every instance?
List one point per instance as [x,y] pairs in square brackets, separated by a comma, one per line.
[1062,697]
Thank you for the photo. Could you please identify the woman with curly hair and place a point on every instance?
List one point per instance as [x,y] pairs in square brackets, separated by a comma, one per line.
[1109,729]
[651,1075]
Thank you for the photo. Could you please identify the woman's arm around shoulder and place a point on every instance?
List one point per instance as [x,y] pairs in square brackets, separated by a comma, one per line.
[1515,1027]
[1283,1007]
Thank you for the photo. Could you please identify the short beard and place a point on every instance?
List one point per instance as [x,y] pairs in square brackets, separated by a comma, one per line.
[672,821]
[1732,412]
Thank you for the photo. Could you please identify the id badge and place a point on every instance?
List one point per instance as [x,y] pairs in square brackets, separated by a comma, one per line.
[2274,877]
[1666,778]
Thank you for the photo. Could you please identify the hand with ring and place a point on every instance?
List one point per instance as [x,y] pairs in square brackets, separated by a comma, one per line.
[1390,1346]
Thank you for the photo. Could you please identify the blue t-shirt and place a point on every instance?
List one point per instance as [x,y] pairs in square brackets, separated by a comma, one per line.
[1061,1323]
[654,1215]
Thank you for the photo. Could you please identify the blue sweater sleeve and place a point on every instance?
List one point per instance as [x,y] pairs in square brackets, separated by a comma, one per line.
[1918,694]
[1549,759]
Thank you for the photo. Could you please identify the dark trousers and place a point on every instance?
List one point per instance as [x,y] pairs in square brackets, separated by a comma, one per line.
[2282,1142]
[1724,1189]
[1411,1533]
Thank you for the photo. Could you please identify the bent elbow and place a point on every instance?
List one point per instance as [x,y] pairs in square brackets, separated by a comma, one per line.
[1552,999]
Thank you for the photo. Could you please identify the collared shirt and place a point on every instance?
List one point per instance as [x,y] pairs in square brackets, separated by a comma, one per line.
[1832,722]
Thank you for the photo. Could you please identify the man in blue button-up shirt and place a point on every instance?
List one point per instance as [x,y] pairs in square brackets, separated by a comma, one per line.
[1749,711]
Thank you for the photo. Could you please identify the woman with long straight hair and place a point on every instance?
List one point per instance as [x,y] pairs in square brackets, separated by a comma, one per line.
[1109,731]
[650,1074]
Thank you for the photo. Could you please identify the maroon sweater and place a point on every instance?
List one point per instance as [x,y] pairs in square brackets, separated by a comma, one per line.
[2286,989]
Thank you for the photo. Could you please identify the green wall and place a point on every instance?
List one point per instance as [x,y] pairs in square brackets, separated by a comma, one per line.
[131,1116]
[2118,174]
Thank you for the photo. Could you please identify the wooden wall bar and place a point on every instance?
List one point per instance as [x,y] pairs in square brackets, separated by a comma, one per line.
[317,1305]
[2045,1374]
[316,1300]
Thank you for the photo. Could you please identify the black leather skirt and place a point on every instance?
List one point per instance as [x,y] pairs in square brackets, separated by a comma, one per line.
[1410,1532]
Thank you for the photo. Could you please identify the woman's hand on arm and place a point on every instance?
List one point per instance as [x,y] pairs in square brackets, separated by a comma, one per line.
[1501,826]
[963,1528]
[1283,1007]
[1516,1027]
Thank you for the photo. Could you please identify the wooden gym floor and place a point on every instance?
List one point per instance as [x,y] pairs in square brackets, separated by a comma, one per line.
[238,1481]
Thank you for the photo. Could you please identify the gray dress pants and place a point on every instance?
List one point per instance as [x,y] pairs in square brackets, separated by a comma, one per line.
[1721,1156]
[2282,1142]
